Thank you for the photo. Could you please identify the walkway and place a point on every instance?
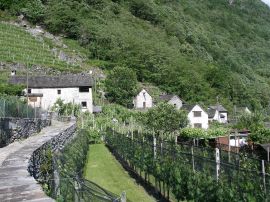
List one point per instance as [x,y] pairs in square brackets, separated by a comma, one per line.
[15,182]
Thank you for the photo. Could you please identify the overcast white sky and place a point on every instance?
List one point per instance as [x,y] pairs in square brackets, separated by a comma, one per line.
[267,2]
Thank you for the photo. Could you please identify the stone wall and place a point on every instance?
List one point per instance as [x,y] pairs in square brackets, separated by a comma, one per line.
[12,129]
[42,165]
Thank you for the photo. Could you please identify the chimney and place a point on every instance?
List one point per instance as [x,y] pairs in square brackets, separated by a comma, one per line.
[13,73]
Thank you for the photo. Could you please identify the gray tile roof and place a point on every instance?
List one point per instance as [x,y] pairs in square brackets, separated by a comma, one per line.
[188,107]
[63,81]
[220,108]
[166,97]
[211,113]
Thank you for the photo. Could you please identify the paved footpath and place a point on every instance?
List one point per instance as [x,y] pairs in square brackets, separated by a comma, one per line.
[15,182]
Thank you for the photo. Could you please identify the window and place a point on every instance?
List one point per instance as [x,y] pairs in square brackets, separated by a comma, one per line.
[59,92]
[197,114]
[84,104]
[29,91]
[84,89]
[174,105]
[197,125]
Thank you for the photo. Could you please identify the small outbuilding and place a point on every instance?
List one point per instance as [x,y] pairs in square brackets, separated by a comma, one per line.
[217,113]
[172,99]
[143,100]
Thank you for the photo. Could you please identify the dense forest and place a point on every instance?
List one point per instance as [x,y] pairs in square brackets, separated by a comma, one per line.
[197,49]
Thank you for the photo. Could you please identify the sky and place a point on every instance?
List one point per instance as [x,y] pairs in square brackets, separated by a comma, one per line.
[267,2]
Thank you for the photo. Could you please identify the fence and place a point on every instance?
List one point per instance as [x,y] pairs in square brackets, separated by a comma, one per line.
[61,173]
[194,173]
[11,106]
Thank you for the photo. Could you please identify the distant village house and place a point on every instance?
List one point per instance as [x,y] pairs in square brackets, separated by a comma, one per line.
[197,117]
[217,113]
[43,91]
[172,99]
[143,100]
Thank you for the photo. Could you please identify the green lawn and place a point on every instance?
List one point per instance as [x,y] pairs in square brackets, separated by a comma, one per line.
[103,169]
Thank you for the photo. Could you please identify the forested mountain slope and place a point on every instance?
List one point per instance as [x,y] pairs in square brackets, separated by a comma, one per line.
[198,49]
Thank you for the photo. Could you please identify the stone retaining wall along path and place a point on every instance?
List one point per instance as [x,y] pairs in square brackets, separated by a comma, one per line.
[16,184]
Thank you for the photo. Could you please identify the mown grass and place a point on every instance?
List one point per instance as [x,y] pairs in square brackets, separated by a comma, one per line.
[103,169]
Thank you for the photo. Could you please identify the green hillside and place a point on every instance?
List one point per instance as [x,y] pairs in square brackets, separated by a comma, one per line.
[198,49]
[16,45]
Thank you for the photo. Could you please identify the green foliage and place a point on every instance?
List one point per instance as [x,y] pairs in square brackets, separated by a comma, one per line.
[121,85]
[165,118]
[251,121]
[261,135]
[10,89]
[173,166]
[34,10]
[13,106]
[66,109]
[18,46]
[202,133]
[172,44]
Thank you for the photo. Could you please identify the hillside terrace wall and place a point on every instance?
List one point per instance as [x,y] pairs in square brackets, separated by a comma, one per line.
[43,156]
[12,129]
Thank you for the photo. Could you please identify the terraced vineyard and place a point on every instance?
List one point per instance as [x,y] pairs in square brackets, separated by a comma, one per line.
[16,45]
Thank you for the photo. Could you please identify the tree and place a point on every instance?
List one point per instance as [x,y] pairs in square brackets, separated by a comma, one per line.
[165,118]
[121,85]
[252,121]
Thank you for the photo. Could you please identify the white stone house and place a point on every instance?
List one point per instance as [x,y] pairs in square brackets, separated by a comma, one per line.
[197,117]
[172,99]
[217,113]
[44,91]
[143,100]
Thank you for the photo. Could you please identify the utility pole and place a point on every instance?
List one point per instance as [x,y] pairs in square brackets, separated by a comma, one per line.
[218,108]
[27,87]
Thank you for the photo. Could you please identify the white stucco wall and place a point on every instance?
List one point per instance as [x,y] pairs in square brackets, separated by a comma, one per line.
[220,120]
[50,96]
[202,120]
[176,102]
[142,97]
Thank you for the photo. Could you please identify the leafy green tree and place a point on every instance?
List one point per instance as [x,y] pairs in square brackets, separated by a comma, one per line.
[165,118]
[34,10]
[121,85]
[251,121]
[261,135]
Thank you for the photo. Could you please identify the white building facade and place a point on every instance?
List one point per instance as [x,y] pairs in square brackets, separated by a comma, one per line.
[172,100]
[143,100]
[197,117]
[218,113]
[44,91]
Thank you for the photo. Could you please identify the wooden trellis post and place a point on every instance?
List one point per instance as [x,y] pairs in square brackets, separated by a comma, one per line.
[217,163]
[263,175]
[192,155]
[155,147]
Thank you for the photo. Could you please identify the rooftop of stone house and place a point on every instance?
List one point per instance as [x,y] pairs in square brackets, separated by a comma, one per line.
[63,81]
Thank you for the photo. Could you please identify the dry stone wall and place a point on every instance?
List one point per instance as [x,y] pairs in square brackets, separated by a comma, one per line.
[12,129]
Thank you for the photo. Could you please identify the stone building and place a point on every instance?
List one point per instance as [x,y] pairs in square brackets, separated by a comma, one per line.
[172,99]
[44,91]
[143,100]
